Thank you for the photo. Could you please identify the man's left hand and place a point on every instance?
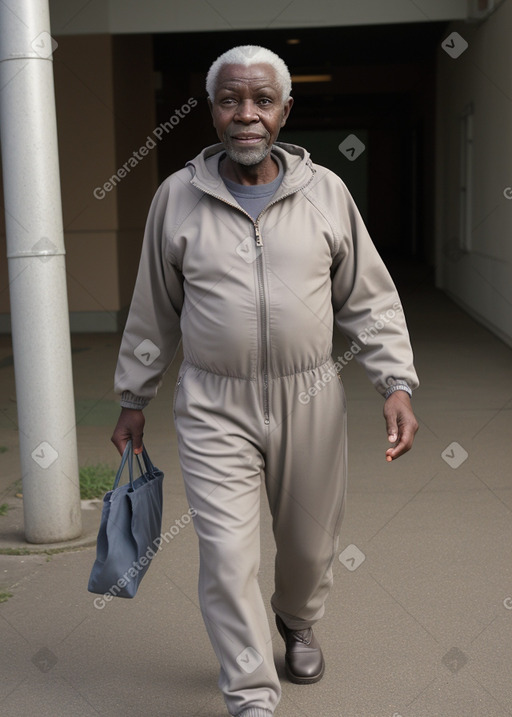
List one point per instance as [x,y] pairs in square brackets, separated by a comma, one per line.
[401,424]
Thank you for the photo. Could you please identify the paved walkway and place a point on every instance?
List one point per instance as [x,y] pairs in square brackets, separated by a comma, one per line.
[422,627]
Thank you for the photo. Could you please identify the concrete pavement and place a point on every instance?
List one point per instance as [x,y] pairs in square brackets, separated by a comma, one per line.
[419,621]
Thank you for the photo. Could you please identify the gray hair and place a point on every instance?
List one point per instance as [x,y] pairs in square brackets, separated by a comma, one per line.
[249,55]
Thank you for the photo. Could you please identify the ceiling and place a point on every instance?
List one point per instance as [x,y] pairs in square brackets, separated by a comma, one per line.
[319,49]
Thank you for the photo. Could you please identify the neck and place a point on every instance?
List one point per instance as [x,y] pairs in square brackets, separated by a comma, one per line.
[263,173]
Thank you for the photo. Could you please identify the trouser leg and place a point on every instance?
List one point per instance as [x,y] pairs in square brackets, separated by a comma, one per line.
[221,467]
[306,486]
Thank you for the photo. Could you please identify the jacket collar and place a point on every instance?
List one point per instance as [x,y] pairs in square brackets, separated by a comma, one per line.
[297,166]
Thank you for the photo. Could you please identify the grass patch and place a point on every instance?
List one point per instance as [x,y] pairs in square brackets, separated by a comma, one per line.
[4,596]
[96,480]
[3,509]
[3,449]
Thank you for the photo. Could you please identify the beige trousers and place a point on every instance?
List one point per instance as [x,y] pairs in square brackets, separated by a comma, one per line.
[225,450]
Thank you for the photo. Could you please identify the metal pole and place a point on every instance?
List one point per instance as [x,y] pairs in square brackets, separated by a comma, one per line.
[37,274]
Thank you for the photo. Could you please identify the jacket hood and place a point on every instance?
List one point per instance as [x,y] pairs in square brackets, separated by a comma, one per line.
[297,165]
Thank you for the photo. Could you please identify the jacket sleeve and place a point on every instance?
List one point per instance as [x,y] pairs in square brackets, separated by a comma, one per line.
[367,308]
[152,333]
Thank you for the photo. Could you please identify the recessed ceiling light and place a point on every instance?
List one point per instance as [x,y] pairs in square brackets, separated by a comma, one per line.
[293,41]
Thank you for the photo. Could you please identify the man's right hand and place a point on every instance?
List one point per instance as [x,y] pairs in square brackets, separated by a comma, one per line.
[130,426]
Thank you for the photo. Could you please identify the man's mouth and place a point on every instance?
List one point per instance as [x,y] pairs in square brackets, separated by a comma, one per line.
[247,138]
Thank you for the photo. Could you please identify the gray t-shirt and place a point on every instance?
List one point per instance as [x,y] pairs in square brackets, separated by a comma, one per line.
[254,198]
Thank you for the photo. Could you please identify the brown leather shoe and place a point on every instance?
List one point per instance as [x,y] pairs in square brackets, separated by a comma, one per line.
[304,660]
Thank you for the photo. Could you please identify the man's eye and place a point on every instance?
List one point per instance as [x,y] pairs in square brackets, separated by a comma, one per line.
[264,101]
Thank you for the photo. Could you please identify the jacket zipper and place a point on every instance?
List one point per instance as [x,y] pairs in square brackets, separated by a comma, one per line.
[263,318]
[264,313]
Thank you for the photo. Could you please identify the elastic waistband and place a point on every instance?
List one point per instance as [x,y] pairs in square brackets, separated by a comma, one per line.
[324,363]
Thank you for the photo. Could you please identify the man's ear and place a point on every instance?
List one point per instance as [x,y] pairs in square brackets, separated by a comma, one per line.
[286,110]
[210,105]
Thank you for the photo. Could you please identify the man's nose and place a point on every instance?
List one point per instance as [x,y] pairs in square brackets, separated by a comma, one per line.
[247,111]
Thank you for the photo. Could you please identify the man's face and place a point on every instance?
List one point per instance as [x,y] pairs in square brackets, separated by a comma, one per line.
[248,111]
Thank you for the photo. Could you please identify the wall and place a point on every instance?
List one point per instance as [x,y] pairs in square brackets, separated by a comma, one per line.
[480,279]
[127,16]
[105,111]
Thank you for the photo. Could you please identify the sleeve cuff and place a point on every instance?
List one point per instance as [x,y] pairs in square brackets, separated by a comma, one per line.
[398,385]
[129,400]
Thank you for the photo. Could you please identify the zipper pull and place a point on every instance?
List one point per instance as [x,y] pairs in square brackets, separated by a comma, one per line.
[258,235]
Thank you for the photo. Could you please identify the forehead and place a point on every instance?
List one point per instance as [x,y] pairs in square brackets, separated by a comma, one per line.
[251,77]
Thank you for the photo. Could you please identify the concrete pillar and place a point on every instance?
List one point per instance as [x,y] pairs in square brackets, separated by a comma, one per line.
[37,276]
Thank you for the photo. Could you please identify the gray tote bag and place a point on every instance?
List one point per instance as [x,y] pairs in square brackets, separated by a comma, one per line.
[130,528]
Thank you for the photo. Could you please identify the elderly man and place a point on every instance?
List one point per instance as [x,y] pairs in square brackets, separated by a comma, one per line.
[251,253]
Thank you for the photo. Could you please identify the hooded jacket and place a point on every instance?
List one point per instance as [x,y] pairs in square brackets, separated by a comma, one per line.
[257,299]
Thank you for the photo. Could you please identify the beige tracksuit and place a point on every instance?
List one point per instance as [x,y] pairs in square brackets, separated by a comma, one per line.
[258,392]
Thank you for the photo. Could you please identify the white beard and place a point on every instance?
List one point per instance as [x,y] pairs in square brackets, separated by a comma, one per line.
[247,157]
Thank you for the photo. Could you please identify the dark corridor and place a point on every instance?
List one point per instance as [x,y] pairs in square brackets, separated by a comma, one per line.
[376,82]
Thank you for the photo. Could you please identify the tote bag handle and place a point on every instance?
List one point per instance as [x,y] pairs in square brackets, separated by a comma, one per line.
[127,457]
